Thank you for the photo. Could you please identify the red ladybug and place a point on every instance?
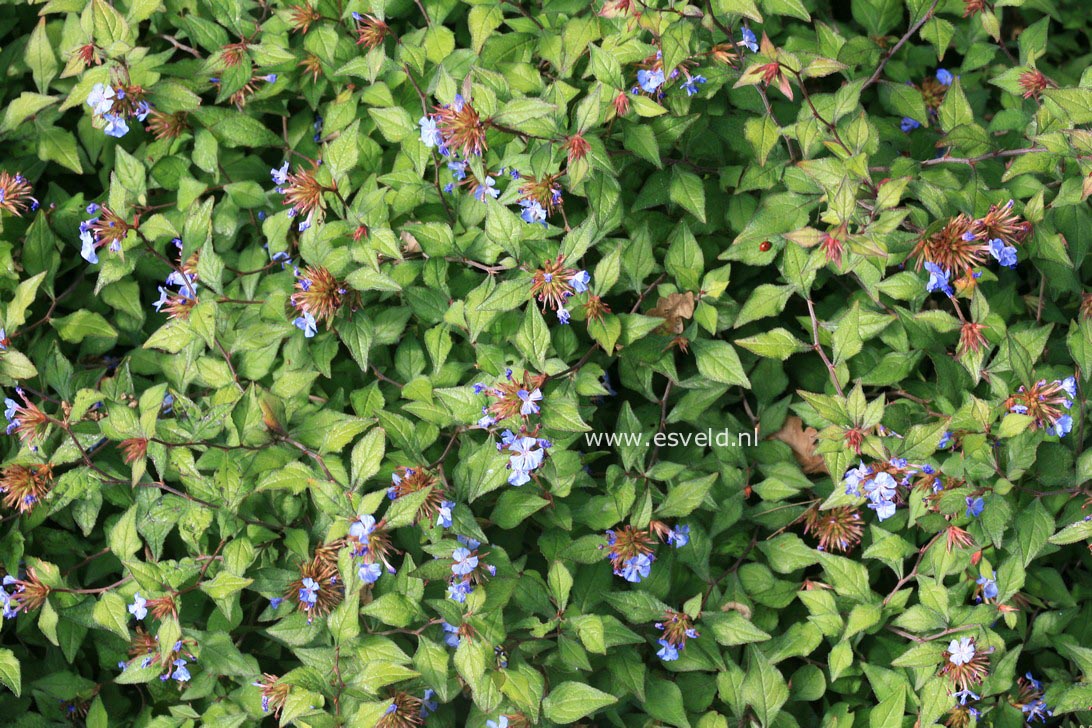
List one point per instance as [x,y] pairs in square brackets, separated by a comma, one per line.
[765,245]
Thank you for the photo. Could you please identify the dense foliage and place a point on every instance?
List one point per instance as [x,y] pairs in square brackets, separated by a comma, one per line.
[518,362]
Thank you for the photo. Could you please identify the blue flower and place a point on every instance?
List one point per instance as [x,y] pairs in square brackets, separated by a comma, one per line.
[428,705]
[519,477]
[963,695]
[275,602]
[500,722]
[486,189]
[142,111]
[884,509]
[636,568]
[443,517]
[463,561]
[908,125]
[527,454]
[563,316]
[1069,386]
[961,651]
[430,135]
[470,543]
[945,440]
[748,40]
[139,607]
[280,176]
[854,477]
[945,76]
[101,99]
[1061,427]
[1003,254]
[459,590]
[10,408]
[87,248]
[309,593]
[580,281]
[989,587]
[370,573]
[181,674]
[458,169]
[974,507]
[690,86]
[679,536]
[1036,710]
[881,488]
[649,81]
[667,652]
[938,279]
[362,527]
[115,126]
[529,399]
[533,212]
[307,324]
[451,635]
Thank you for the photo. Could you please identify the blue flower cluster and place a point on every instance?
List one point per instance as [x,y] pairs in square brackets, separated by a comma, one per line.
[112,106]
[527,454]
[466,569]
[8,600]
[651,80]
[881,484]
[184,280]
[370,569]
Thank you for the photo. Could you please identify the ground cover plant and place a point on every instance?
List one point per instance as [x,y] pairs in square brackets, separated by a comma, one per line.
[545,362]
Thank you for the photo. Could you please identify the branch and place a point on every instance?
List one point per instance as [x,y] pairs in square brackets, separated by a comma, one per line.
[971,161]
[902,41]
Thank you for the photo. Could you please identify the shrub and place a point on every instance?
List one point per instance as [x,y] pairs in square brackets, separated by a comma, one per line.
[536,363]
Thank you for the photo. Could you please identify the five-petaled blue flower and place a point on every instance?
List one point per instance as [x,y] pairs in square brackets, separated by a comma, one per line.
[529,399]
[989,587]
[975,506]
[679,536]
[1061,427]
[690,86]
[945,76]
[1003,254]
[307,324]
[309,592]
[533,212]
[370,573]
[938,279]
[636,568]
[649,81]
[961,651]
[463,561]
[430,135]
[486,189]
[667,652]
[139,607]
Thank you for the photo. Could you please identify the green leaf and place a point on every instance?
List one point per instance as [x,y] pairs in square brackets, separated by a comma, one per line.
[764,688]
[570,701]
[718,362]
[40,57]
[10,672]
